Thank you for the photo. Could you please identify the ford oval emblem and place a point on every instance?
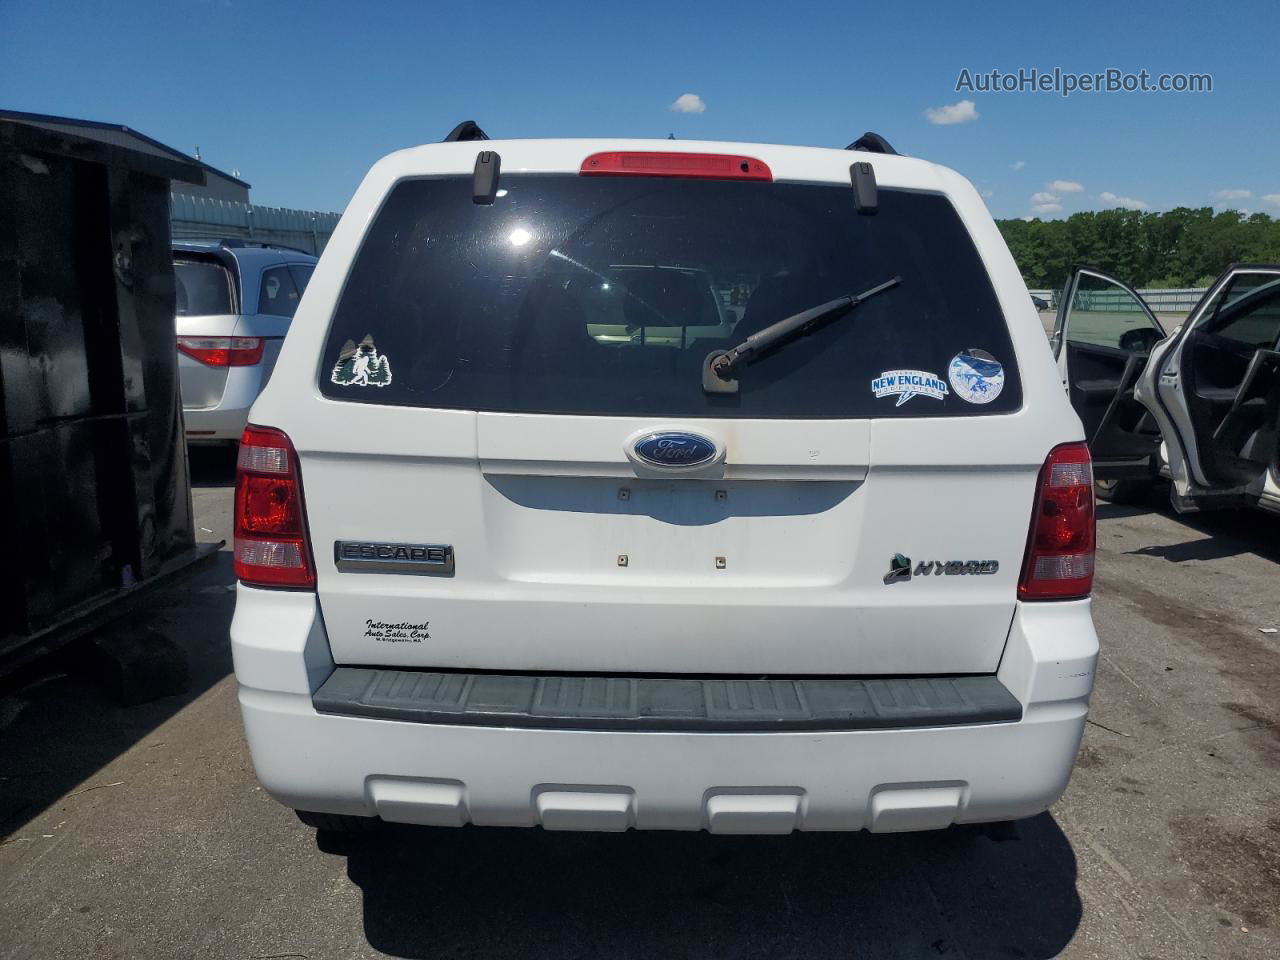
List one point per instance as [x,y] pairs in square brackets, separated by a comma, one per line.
[675,450]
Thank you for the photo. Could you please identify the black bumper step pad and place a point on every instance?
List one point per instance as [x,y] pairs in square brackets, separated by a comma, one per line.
[665,703]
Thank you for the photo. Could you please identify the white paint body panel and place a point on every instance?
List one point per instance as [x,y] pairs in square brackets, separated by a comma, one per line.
[1160,390]
[1169,413]
[880,780]
[812,512]
[530,502]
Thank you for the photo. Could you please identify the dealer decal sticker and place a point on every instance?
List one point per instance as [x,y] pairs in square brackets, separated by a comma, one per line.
[976,376]
[905,384]
[361,366]
[404,631]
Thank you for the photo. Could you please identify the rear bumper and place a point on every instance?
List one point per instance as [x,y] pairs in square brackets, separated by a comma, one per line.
[728,782]
[214,424]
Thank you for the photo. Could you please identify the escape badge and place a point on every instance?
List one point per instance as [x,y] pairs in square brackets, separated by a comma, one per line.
[361,366]
[905,384]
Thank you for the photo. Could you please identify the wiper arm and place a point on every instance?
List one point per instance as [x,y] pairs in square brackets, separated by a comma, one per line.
[720,363]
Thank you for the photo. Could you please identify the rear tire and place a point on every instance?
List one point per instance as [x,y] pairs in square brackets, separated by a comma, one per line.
[1126,490]
[338,822]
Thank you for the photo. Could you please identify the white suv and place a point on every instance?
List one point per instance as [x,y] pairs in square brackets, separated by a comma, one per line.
[827,568]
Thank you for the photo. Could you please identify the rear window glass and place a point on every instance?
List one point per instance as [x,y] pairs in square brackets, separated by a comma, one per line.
[203,288]
[1249,311]
[301,275]
[605,295]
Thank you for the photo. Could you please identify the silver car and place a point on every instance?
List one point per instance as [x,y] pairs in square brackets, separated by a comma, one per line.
[235,301]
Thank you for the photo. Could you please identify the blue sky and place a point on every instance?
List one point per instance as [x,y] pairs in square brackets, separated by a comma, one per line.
[301,97]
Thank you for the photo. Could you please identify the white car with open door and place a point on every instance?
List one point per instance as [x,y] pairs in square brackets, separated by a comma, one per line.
[1208,396]
[1103,339]
[823,565]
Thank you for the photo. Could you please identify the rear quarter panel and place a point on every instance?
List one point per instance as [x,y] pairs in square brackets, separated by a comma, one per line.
[202,386]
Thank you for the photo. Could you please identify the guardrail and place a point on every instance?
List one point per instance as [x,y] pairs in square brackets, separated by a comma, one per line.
[1179,300]
[204,218]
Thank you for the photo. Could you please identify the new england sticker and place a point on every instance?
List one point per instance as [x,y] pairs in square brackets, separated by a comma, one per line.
[976,376]
[905,384]
[361,366]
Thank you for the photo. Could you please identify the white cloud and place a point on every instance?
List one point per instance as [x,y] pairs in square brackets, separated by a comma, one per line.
[688,103]
[988,193]
[1017,165]
[1064,186]
[1129,203]
[1272,198]
[1232,194]
[1043,197]
[961,112]
[1047,208]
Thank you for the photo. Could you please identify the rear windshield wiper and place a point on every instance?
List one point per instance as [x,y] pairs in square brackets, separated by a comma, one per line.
[720,363]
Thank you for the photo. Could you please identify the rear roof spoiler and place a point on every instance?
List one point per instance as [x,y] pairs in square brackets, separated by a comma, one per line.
[466,130]
[872,143]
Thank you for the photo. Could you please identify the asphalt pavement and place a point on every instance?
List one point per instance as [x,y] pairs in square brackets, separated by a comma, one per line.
[142,832]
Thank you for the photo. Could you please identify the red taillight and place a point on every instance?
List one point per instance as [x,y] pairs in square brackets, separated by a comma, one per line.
[223,351]
[698,166]
[271,546]
[1059,561]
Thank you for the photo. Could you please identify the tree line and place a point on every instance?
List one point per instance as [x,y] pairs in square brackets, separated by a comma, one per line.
[1183,247]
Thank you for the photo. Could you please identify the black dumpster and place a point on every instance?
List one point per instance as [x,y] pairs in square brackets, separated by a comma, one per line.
[95,502]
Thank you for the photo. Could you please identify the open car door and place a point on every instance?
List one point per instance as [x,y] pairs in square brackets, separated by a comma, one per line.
[1215,390]
[1103,340]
